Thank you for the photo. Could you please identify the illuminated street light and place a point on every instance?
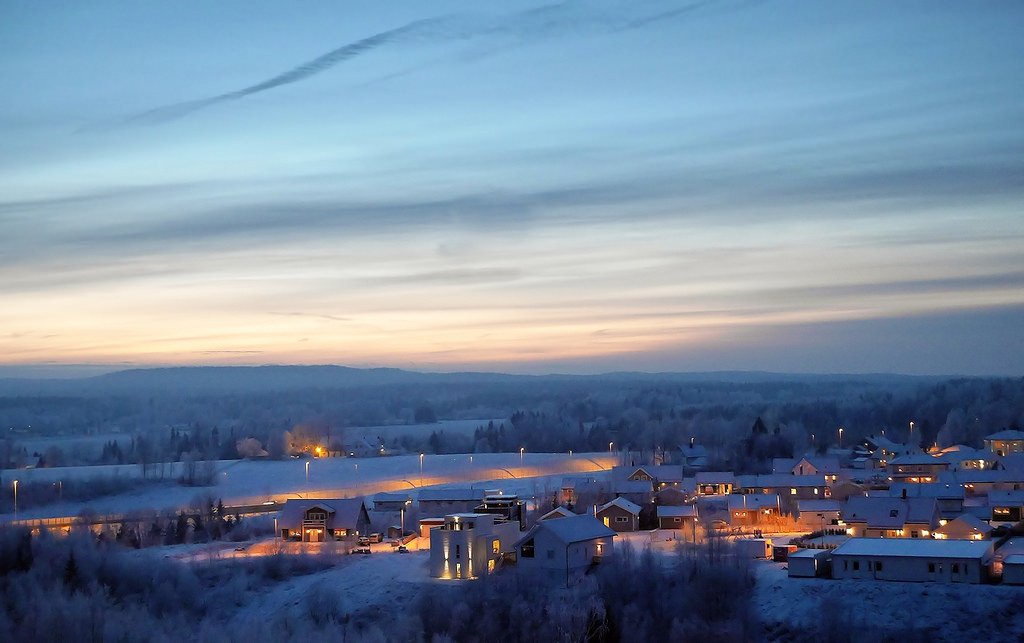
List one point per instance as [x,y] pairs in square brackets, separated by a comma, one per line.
[840,437]
[522,450]
[421,469]
[15,499]
[307,471]
[610,446]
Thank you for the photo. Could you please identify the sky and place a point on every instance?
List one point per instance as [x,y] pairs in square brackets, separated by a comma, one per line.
[525,187]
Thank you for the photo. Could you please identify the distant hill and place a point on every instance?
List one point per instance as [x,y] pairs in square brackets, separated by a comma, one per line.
[221,379]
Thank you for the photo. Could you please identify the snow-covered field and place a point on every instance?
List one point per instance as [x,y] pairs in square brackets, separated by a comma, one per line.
[254,482]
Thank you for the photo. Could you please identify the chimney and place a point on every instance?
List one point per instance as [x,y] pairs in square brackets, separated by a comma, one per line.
[692,440]
[903,494]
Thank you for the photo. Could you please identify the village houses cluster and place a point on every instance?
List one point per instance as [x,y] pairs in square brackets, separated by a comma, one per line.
[880,510]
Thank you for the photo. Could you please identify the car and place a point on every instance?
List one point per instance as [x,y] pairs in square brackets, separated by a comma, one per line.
[240,548]
[362,550]
[376,538]
[363,541]
[402,549]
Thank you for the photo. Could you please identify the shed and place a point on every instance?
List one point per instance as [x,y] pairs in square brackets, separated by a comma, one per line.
[754,547]
[901,559]
[1013,569]
[809,563]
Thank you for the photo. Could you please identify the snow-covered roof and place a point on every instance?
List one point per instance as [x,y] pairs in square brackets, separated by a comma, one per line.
[769,480]
[967,476]
[1006,434]
[824,464]
[695,451]
[682,511]
[342,512]
[888,513]
[817,505]
[809,553]
[916,459]
[392,497]
[1014,559]
[965,521]
[926,490]
[558,512]
[621,503]
[632,486]
[1006,497]
[572,529]
[914,548]
[753,501]
[451,495]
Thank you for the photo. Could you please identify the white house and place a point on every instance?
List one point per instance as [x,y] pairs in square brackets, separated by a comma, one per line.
[878,517]
[808,563]
[965,527]
[469,545]
[900,559]
[1013,569]
[563,550]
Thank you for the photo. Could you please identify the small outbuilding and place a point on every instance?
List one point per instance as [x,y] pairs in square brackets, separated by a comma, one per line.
[754,548]
[1013,569]
[681,517]
[920,560]
[809,563]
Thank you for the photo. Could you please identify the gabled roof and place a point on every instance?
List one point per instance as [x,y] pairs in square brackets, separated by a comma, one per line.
[915,548]
[621,503]
[889,513]
[1006,434]
[681,511]
[632,486]
[558,512]
[817,505]
[942,490]
[824,464]
[696,451]
[343,512]
[753,501]
[916,458]
[391,497]
[451,495]
[969,522]
[572,529]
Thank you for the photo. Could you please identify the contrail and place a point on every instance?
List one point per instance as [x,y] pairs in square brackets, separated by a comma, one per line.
[294,75]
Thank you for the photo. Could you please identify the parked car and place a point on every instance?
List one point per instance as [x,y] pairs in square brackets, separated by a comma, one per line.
[362,550]
[376,538]
[363,541]
[402,549]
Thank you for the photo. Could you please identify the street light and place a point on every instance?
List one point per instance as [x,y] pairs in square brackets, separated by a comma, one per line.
[522,450]
[15,499]
[610,446]
[421,469]
[840,437]
[911,431]
[307,471]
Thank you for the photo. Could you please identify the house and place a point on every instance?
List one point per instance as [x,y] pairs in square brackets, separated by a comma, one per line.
[948,496]
[715,483]
[1013,569]
[558,512]
[918,467]
[620,515]
[640,492]
[564,550]
[980,483]
[470,545]
[752,508]
[820,515]
[965,527]
[426,524]
[1006,506]
[897,559]
[960,456]
[660,475]
[578,489]
[323,519]
[790,488]
[506,506]
[441,502]
[1005,442]
[808,563]
[880,517]
[392,501]
[808,465]
[677,517]
[693,456]
[673,496]
[362,448]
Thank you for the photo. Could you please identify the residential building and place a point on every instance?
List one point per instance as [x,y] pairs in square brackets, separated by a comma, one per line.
[949,497]
[965,527]
[917,468]
[752,508]
[715,483]
[808,563]
[506,506]
[392,502]
[620,515]
[789,488]
[470,545]
[677,517]
[820,515]
[557,512]
[1005,442]
[880,517]
[442,502]
[949,561]
[1013,570]
[1006,506]
[693,456]
[564,550]
[323,519]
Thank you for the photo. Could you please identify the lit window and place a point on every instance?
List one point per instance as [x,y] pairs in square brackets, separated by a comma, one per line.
[792,491]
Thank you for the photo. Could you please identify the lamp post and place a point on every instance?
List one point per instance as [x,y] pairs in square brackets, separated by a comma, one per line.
[840,437]
[911,431]
[522,450]
[610,446]
[15,499]
[307,471]
[421,469]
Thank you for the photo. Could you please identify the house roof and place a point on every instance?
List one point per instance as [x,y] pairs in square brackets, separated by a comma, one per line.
[632,486]
[572,529]
[715,477]
[661,472]
[968,521]
[914,548]
[824,464]
[391,497]
[451,495]
[621,503]
[967,476]
[753,501]
[344,512]
[769,480]
[681,511]
[817,505]
[558,512]
[889,513]
[1014,559]
[916,458]
[927,490]
[1006,434]
[696,451]
[1006,497]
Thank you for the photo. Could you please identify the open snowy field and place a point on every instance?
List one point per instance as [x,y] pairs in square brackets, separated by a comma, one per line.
[256,481]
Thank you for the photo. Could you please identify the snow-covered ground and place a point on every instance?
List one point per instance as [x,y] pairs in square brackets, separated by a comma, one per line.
[256,481]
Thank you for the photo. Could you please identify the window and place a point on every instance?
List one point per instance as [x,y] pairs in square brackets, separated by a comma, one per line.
[878,565]
[931,568]
[677,519]
[856,565]
[893,513]
[458,550]
[621,519]
[496,546]
[913,534]
[792,491]
[527,550]
[956,568]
